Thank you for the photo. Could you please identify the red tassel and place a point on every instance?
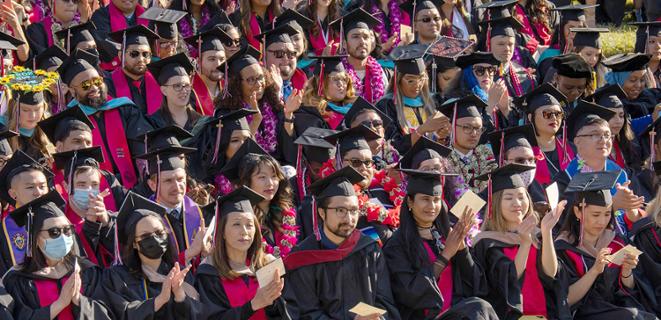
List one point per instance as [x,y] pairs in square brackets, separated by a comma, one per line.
[315,220]
[217,144]
[652,151]
[564,144]
[489,198]
[488,13]
[226,92]
[320,87]
[501,155]
[394,86]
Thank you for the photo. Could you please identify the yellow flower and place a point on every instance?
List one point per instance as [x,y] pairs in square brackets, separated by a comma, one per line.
[38,88]
[4,80]
[40,72]
[52,75]
[18,69]
[16,86]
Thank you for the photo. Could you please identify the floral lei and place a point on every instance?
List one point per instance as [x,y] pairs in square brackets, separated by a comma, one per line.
[289,235]
[26,80]
[190,26]
[375,81]
[223,185]
[395,17]
[266,136]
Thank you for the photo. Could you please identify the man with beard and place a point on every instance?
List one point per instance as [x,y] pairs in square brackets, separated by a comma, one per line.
[280,56]
[133,80]
[113,120]
[338,267]
[369,79]
[207,81]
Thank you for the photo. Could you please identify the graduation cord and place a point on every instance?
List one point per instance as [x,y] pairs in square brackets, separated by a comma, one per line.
[217,142]
[652,150]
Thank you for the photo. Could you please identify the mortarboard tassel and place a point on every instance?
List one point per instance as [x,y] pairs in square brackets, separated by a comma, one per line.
[453,132]
[217,144]
[338,156]
[434,67]
[394,86]
[580,236]
[415,2]
[17,105]
[489,198]
[652,150]
[299,173]
[501,152]
[564,144]
[226,92]
[342,38]
[68,39]
[199,54]
[29,232]
[123,47]
[158,178]
[488,31]
[70,177]
[184,5]
[320,86]
[117,260]
[315,220]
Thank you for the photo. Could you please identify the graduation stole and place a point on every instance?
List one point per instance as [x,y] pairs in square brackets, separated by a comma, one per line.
[256,29]
[48,290]
[203,99]
[542,174]
[192,220]
[531,286]
[619,158]
[16,238]
[152,93]
[299,79]
[320,41]
[444,281]
[304,258]
[116,147]
[239,293]
[48,26]
[333,118]
[118,20]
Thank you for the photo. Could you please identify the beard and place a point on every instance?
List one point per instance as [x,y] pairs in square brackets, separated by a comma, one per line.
[136,70]
[213,75]
[95,102]
[339,232]
[357,52]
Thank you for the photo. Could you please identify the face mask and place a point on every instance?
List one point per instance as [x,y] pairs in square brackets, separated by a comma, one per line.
[26,132]
[153,247]
[528,177]
[93,51]
[81,197]
[58,248]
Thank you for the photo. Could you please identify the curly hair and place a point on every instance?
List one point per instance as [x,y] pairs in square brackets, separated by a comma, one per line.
[235,100]
[538,12]
[310,97]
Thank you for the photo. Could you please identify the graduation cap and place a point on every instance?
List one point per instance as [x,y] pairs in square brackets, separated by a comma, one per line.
[69,161]
[424,149]
[584,112]
[506,139]
[5,148]
[234,120]
[209,40]
[231,168]
[573,12]
[313,145]
[78,62]
[588,37]
[133,209]
[33,214]
[17,164]
[8,42]
[573,66]
[425,182]
[325,66]
[245,57]
[544,95]
[165,21]
[279,34]
[138,34]
[477,57]
[469,106]
[594,187]
[498,9]
[507,26]
[58,126]
[622,62]
[359,106]
[30,97]
[356,19]
[409,60]
[412,7]
[295,19]
[503,178]
[352,139]
[74,35]
[164,139]
[242,199]
[609,96]
[649,29]
[54,56]
[652,132]
[177,65]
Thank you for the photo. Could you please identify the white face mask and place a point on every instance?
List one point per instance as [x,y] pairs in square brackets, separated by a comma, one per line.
[528,177]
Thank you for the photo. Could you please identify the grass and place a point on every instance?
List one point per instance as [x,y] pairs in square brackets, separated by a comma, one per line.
[618,40]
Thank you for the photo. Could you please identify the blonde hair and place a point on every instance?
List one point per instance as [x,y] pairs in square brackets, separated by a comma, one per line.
[429,107]
[497,221]
[654,208]
[38,140]
[310,97]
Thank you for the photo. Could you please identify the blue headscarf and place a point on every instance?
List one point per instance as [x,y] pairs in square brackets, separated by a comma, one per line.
[470,81]
[613,77]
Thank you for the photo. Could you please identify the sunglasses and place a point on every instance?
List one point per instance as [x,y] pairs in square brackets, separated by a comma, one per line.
[136,54]
[87,84]
[279,54]
[232,43]
[553,114]
[373,123]
[55,232]
[481,70]
[356,163]
[430,19]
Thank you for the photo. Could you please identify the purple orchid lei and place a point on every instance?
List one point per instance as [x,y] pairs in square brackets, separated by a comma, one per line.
[189,26]
[395,17]
[266,136]
[375,80]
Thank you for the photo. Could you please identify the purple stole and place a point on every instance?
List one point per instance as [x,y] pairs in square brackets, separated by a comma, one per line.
[192,220]
[16,238]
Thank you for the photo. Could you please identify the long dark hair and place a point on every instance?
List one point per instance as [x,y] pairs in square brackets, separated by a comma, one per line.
[411,238]
[245,6]
[572,225]
[236,100]
[38,261]
[538,12]
[334,13]
[626,140]
[212,5]
[219,256]
[130,255]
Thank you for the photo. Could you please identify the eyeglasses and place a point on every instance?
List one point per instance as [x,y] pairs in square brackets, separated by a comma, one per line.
[232,43]
[339,80]
[279,54]
[531,160]
[179,87]
[553,114]
[429,19]
[136,54]
[416,81]
[343,212]
[253,80]
[87,84]
[166,44]
[595,137]
[481,70]
[356,163]
[55,232]
[470,129]
[373,123]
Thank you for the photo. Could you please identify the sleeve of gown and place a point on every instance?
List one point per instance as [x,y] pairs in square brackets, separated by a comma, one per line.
[25,299]
[413,289]
[36,39]
[135,124]
[215,301]
[638,125]
[472,275]
[400,141]
[286,147]
[101,19]
[300,292]
[384,297]
[115,293]
[504,285]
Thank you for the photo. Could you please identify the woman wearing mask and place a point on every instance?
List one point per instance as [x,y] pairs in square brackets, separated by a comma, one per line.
[54,281]
[149,284]
[226,281]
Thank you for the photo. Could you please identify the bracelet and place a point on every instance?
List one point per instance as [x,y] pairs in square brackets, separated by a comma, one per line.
[629,276]
[289,120]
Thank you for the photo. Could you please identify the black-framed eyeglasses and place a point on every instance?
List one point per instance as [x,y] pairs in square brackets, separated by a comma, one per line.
[179,87]
[232,43]
[342,212]
[357,163]
[376,123]
[468,129]
[253,80]
[87,84]
[481,70]
[55,232]
[136,54]
[553,114]
[279,54]
[430,19]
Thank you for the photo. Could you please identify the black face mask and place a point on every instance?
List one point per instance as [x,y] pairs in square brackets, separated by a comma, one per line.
[153,247]
[93,51]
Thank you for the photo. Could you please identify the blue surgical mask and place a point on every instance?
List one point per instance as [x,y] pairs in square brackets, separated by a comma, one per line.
[26,132]
[81,197]
[59,247]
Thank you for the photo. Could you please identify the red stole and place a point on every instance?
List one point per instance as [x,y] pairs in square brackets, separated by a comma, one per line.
[48,24]
[203,98]
[304,258]
[334,119]
[48,291]
[239,293]
[532,291]
[444,281]
[542,174]
[118,20]
[152,93]
[318,43]
[579,263]
[256,29]
[116,147]
[58,180]
[299,79]
[619,158]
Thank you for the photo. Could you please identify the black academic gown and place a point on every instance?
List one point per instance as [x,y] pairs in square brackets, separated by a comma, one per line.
[416,290]
[138,95]
[644,104]
[159,120]
[607,298]
[306,117]
[217,304]
[328,290]
[204,139]
[645,235]
[37,38]
[21,286]
[131,296]
[505,288]
[6,305]
[108,50]
[527,81]
[400,141]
